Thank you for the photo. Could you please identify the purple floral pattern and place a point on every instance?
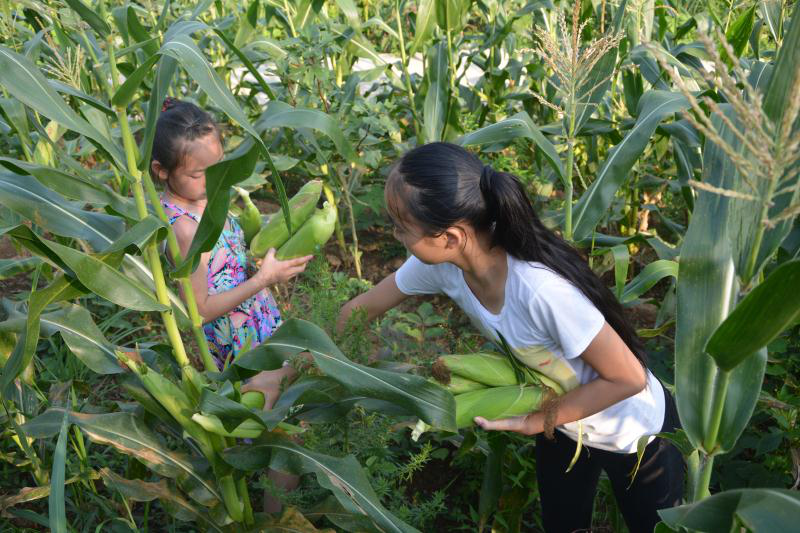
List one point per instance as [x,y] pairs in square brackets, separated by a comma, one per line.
[249,323]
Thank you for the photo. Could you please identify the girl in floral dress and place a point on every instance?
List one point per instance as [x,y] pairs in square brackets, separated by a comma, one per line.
[238,311]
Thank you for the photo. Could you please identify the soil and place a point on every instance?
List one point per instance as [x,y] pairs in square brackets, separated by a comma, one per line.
[17,283]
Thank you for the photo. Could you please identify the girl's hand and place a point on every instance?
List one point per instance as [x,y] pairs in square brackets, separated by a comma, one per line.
[269,383]
[529,424]
[272,270]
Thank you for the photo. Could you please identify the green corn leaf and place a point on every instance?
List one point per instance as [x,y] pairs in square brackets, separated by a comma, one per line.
[139,235]
[83,338]
[757,510]
[147,491]
[95,274]
[219,180]
[106,281]
[350,12]
[622,258]
[25,82]
[14,267]
[247,63]
[91,17]
[776,98]
[426,22]
[25,348]
[772,14]
[72,187]
[739,32]
[434,111]
[281,115]
[165,71]
[649,276]
[63,88]
[412,393]
[139,33]
[654,107]
[760,317]
[306,11]
[248,21]
[515,127]
[56,504]
[492,483]
[705,297]
[597,83]
[127,434]
[102,235]
[126,91]
[343,476]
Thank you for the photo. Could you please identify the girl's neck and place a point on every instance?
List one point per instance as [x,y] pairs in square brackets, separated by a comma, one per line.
[483,265]
[194,206]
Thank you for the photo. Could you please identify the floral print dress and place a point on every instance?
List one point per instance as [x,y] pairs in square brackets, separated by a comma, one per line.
[249,323]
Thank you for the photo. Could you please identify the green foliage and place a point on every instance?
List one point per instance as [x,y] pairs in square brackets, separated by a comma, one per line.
[658,198]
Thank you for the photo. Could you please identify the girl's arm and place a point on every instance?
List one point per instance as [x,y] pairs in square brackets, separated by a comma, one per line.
[621,375]
[375,301]
[213,306]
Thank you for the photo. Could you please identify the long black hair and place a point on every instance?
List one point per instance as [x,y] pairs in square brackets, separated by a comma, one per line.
[442,184]
[179,123]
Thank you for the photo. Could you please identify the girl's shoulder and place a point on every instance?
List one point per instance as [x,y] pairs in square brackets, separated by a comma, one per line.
[533,277]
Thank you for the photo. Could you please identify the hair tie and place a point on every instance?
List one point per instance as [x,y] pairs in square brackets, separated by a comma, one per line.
[169,103]
[486,179]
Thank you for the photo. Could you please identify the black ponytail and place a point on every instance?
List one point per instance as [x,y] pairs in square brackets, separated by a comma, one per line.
[442,184]
[179,123]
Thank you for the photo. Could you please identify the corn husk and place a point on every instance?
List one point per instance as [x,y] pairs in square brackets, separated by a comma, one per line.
[459,385]
[315,232]
[253,399]
[497,402]
[490,369]
[250,219]
[248,429]
[274,233]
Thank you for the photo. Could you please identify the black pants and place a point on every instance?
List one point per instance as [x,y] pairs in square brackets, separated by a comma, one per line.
[567,498]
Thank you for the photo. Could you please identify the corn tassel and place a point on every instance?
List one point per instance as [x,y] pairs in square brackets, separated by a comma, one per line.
[248,429]
[250,219]
[274,233]
[315,232]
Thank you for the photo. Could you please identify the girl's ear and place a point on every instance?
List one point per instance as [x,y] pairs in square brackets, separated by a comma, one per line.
[158,170]
[455,238]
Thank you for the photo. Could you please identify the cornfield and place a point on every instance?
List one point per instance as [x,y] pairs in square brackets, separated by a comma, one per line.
[660,137]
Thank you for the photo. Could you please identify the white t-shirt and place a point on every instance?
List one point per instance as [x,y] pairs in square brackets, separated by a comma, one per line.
[548,323]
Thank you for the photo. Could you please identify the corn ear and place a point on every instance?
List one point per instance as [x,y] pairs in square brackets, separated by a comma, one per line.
[315,232]
[250,219]
[459,385]
[274,233]
[253,399]
[497,402]
[248,429]
[489,369]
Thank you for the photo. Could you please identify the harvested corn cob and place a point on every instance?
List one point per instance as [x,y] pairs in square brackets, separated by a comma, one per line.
[274,233]
[250,219]
[315,232]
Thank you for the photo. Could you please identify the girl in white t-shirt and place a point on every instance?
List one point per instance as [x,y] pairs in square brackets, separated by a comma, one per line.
[474,236]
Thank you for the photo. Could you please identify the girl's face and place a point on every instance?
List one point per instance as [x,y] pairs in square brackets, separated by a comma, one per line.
[430,250]
[188,180]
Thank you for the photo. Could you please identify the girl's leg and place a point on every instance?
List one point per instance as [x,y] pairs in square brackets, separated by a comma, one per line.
[567,498]
[658,483]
